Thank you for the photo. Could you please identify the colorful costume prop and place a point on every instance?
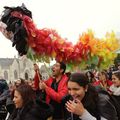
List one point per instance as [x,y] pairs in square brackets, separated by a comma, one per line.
[45,44]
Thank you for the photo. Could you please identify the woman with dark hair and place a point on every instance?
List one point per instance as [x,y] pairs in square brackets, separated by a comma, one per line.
[115,88]
[19,82]
[85,103]
[103,81]
[90,76]
[26,106]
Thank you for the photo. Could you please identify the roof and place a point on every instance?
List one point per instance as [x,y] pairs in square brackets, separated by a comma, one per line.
[6,62]
[117,51]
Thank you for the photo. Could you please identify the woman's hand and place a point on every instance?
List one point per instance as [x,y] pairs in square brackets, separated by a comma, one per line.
[75,107]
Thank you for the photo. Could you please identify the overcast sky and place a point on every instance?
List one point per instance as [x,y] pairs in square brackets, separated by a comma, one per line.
[69,17]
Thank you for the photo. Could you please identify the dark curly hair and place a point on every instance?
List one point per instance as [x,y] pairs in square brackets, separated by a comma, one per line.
[27,93]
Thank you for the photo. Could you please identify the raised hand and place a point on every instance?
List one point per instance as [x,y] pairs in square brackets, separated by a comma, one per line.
[75,107]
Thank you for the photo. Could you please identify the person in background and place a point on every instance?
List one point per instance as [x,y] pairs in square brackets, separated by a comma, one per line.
[118,67]
[115,88]
[90,76]
[103,81]
[37,76]
[6,102]
[109,72]
[83,102]
[40,94]
[26,107]
[56,88]
[4,93]
[19,82]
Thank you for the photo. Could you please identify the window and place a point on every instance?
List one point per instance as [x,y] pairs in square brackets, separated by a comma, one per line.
[6,75]
[15,74]
[26,76]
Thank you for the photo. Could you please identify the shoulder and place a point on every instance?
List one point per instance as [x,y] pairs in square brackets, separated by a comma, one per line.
[49,81]
[103,97]
[40,111]
[106,107]
[64,79]
[96,83]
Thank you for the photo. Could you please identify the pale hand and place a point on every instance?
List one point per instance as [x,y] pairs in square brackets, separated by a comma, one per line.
[42,85]
[75,107]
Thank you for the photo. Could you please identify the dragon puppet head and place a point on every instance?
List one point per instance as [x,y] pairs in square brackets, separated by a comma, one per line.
[12,26]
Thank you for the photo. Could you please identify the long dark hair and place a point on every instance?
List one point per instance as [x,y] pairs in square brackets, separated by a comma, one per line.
[82,80]
[91,96]
[27,93]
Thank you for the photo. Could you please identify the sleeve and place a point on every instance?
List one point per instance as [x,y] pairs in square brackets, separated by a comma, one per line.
[102,118]
[87,116]
[106,108]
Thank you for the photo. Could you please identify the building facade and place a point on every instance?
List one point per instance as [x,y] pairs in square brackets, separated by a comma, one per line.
[12,69]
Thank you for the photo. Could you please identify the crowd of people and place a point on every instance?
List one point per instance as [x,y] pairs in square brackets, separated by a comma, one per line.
[81,95]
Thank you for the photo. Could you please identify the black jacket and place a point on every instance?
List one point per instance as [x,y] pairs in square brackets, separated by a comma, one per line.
[109,106]
[4,94]
[104,107]
[32,111]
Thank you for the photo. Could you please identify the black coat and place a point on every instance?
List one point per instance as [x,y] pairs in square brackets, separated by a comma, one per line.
[104,107]
[107,106]
[32,111]
[117,98]
[3,111]
[90,107]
